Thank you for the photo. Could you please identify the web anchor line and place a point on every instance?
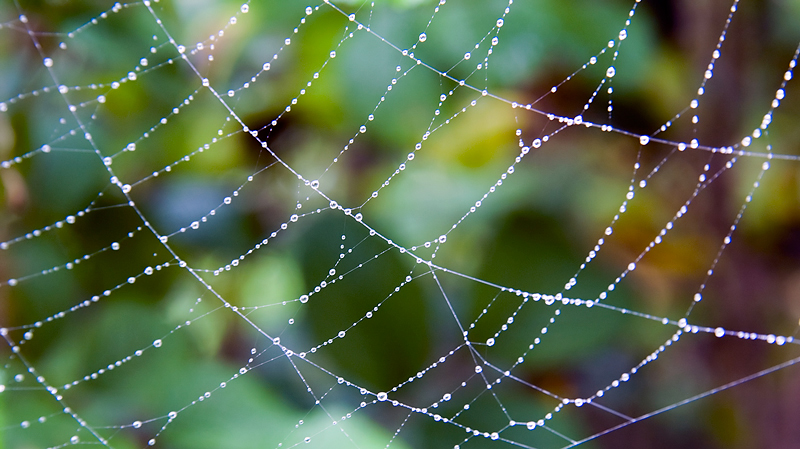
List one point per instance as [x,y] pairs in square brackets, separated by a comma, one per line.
[689,400]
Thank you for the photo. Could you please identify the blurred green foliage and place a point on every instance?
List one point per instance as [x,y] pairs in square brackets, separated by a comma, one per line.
[531,234]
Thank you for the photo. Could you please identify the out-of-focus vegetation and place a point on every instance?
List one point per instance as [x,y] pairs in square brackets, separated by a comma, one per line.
[531,234]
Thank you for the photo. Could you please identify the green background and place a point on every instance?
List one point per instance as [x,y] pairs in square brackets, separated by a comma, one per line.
[531,234]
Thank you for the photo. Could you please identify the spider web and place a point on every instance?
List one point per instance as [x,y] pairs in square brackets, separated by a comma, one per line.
[417,224]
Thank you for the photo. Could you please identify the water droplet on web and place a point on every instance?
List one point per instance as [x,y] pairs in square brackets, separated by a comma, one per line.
[644,140]
[499,23]
[423,37]
[157,343]
[611,72]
